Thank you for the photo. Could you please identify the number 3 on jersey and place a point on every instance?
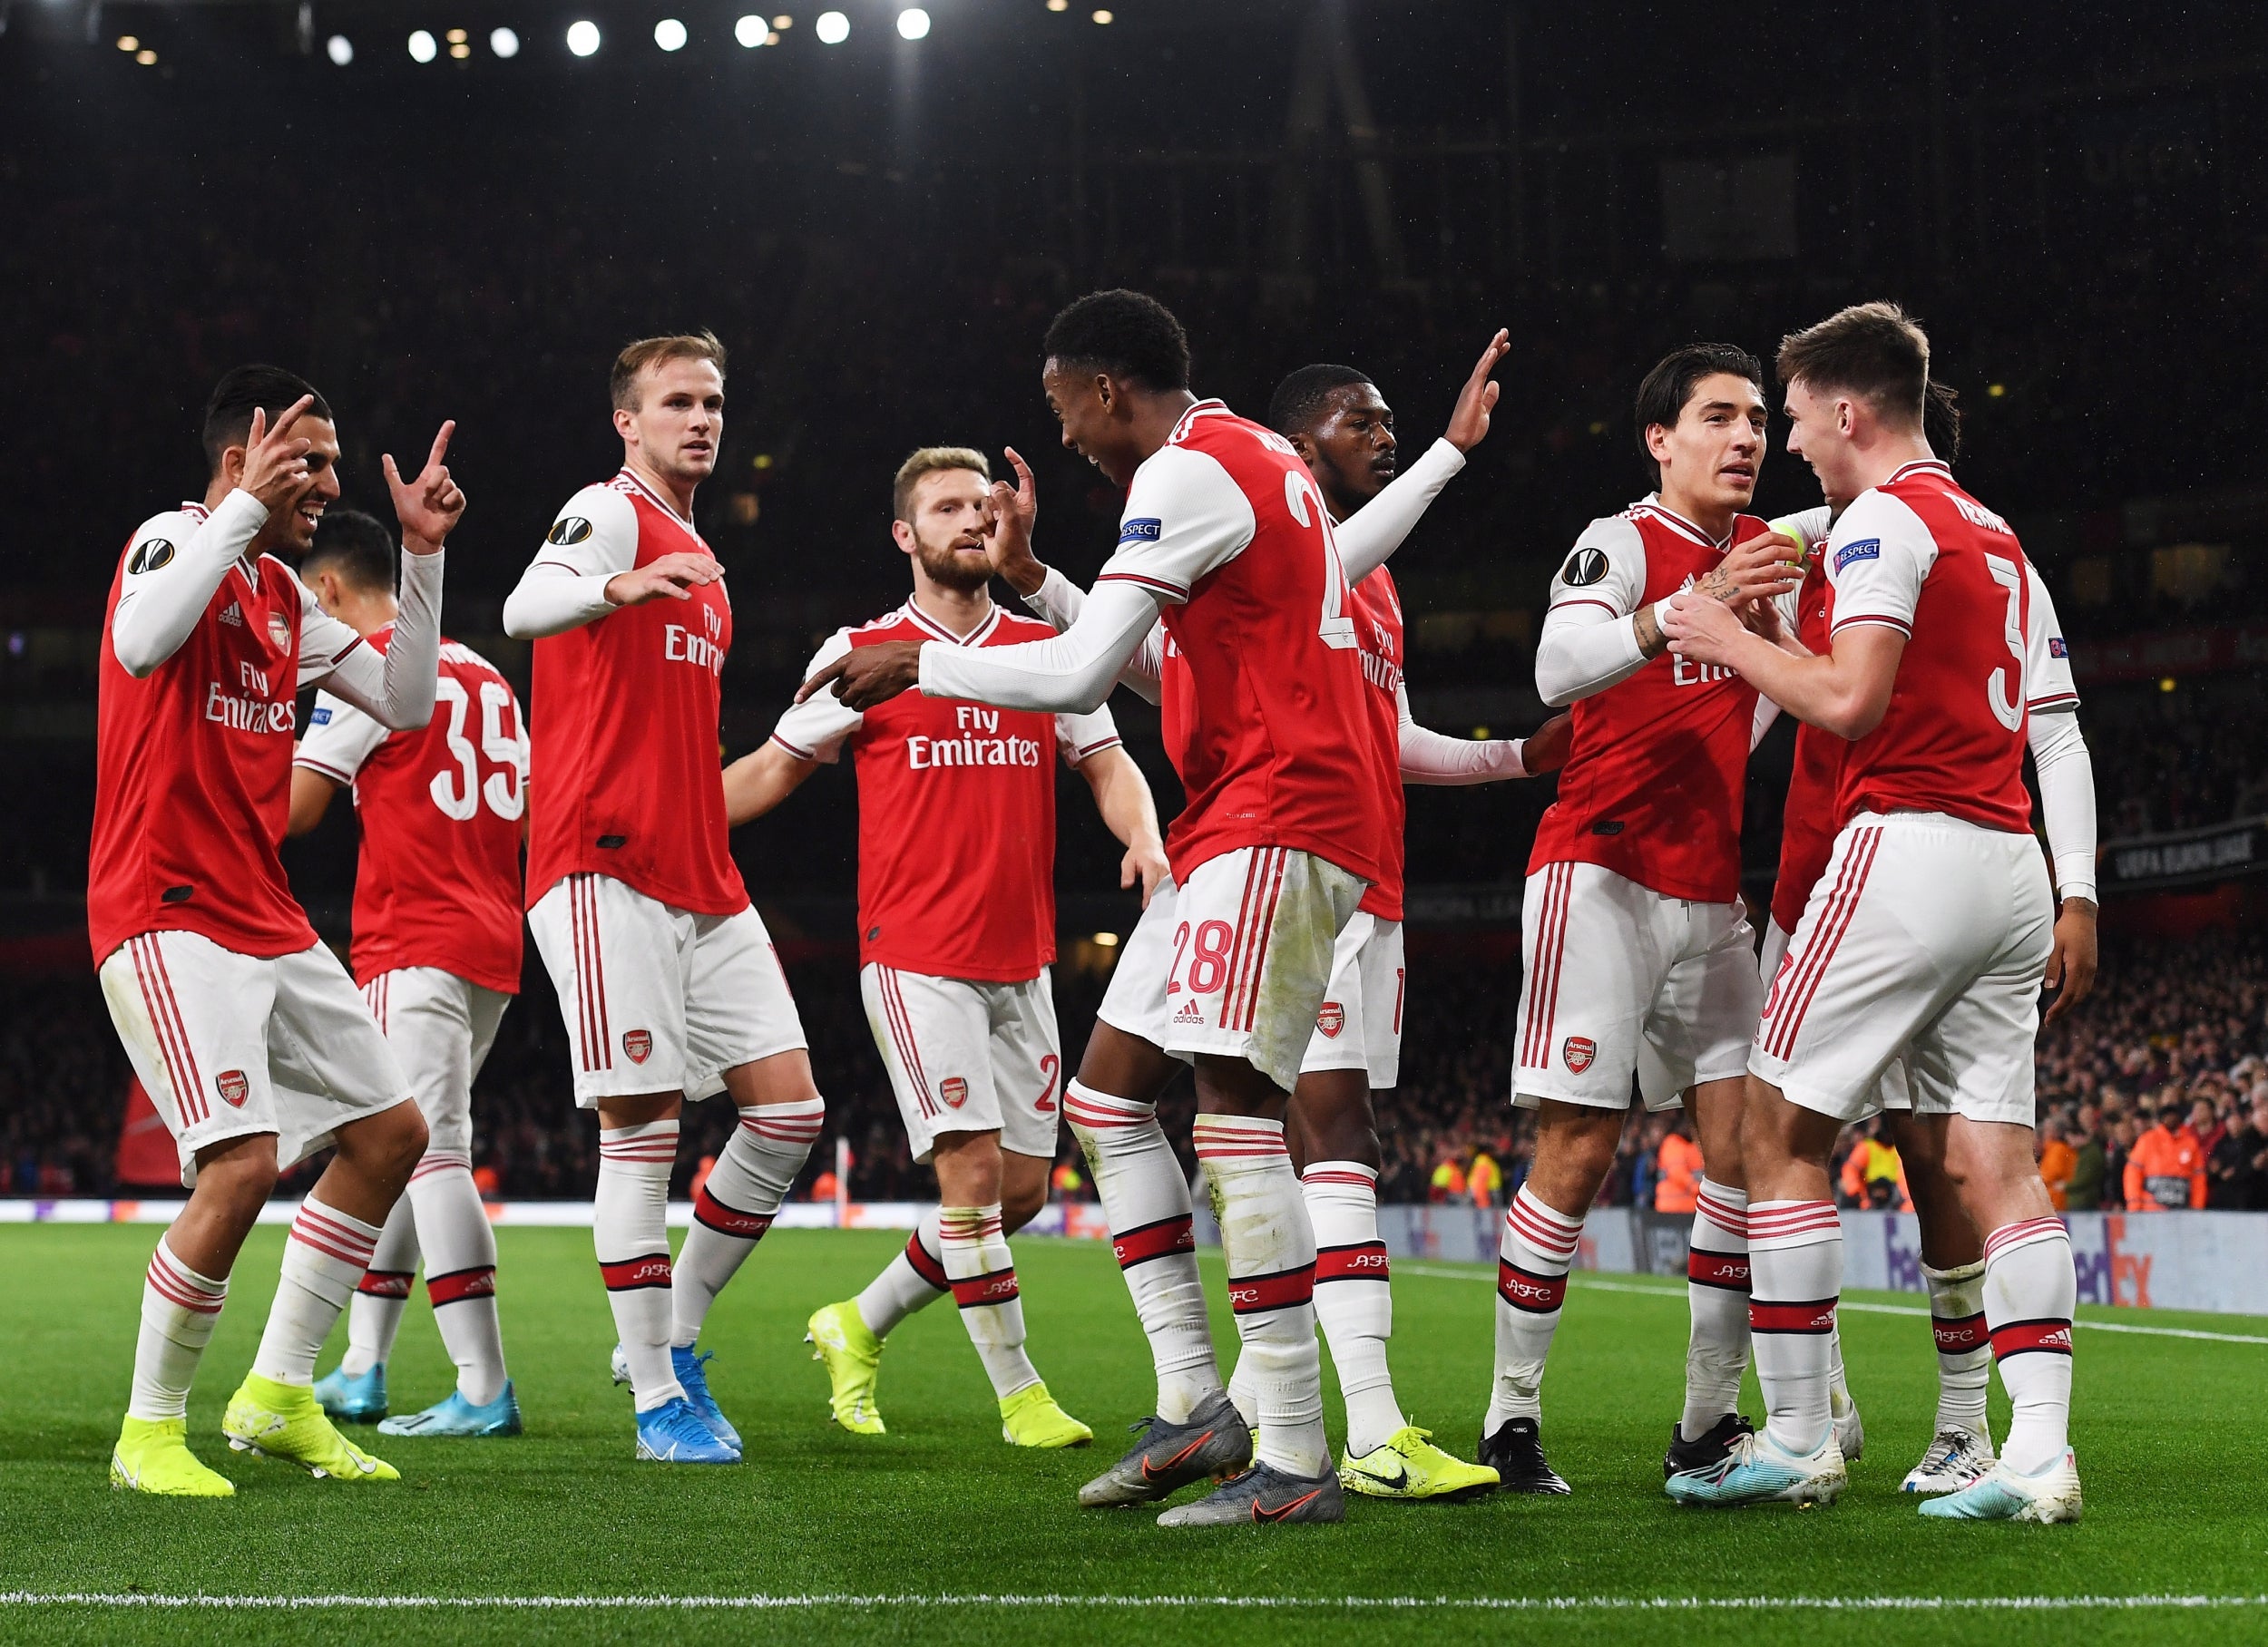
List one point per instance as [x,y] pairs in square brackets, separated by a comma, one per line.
[1300,496]
[2007,708]
[458,791]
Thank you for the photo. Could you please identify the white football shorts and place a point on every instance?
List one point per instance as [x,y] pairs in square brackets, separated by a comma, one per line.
[1619,980]
[1928,936]
[228,1045]
[1359,1024]
[1892,1091]
[1135,999]
[440,1026]
[969,1056]
[657,999]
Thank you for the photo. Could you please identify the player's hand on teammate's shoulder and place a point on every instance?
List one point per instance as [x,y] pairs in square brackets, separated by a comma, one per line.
[1546,747]
[1469,422]
[665,577]
[429,503]
[275,458]
[865,676]
[1010,514]
[1145,862]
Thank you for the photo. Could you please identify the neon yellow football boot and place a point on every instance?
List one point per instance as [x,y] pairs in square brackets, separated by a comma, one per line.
[153,1456]
[283,1421]
[839,1336]
[1030,1418]
[1408,1465]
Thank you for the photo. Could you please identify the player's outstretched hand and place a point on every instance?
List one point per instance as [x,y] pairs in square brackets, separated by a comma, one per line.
[663,578]
[1546,748]
[276,460]
[2071,963]
[867,676]
[1701,628]
[429,504]
[1144,863]
[1759,570]
[1468,423]
[1007,532]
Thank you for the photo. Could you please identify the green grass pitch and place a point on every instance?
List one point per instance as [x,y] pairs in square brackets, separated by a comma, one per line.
[2169,1438]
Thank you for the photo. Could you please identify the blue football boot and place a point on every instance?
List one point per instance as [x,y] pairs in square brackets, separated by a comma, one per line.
[458,1417]
[351,1398]
[673,1433]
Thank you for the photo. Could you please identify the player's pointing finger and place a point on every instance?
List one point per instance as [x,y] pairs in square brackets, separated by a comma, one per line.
[441,443]
[811,689]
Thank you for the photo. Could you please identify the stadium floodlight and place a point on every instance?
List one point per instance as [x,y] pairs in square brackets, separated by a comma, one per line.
[339,50]
[423,47]
[783,21]
[669,35]
[505,43]
[833,28]
[913,24]
[752,32]
[128,45]
[1103,17]
[583,37]
[145,57]
[1059,5]
[460,51]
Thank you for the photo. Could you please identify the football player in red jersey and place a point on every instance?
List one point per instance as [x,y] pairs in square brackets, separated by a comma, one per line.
[668,983]
[956,927]
[1926,937]
[1638,959]
[1343,429]
[437,951]
[244,1029]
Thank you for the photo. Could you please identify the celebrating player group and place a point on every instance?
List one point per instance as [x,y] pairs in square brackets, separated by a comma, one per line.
[1911,933]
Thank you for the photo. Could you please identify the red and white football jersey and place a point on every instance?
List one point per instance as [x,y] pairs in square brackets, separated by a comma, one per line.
[438,884]
[1379,636]
[1920,555]
[624,759]
[1271,738]
[1653,785]
[956,810]
[192,763]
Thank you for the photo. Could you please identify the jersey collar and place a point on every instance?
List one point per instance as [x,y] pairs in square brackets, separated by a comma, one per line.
[1920,465]
[1653,505]
[1203,408]
[938,632]
[639,485]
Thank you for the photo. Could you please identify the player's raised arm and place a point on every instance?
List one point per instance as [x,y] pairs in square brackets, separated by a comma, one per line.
[397,691]
[1368,538]
[177,562]
[1047,594]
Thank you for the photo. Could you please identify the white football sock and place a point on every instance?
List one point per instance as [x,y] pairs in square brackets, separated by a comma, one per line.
[2029,1290]
[1964,1346]
[375,1316]
[1354,1296]
[912,1281]
[179,1308]
[1146,1200]
[1717,1292]
[983,1277]
[1532,1264]
[630,1233]
[1270,1248]
[460,1272]
[325,1256]
[1795,1265]
[752,1177]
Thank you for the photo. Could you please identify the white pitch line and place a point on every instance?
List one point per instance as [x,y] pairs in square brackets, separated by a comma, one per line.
[1590,1284]
[1452,1603]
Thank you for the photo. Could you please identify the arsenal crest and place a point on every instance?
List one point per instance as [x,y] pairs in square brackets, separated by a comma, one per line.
[1579,1052]
[953,1090]
[638,1044]
[234,1088]
[280,631]
[1332,1018]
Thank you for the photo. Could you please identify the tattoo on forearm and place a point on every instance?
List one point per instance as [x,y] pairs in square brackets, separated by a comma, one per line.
[1650,639]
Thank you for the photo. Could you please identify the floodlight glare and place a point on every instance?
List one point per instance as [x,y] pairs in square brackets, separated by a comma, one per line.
[423,47]
[339,50]
[913,24]
[505,43]
[582,38]
[833,28]
[669,35]
[752,31]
